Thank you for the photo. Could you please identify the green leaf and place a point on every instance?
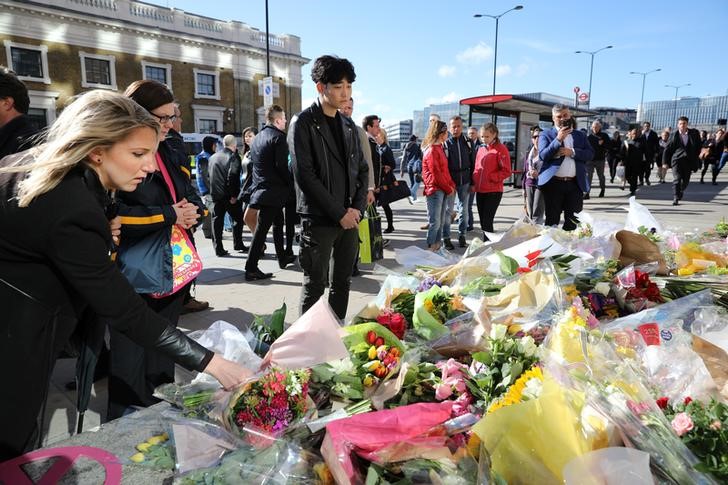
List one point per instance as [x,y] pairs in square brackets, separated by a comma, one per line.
[508,265]
[277,320]
[483,357]
[516,371]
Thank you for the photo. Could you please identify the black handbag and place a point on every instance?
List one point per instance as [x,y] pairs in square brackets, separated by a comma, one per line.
[396,190]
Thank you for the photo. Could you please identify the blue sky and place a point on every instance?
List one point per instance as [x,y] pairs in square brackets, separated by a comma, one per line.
[408,54]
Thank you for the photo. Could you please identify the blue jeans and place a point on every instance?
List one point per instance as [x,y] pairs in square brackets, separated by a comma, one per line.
[463,192]
[436,211]
[471,219]
[719,166]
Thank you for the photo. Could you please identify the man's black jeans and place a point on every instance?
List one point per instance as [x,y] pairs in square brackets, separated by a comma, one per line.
[267,215]
[219,208]
[320,244]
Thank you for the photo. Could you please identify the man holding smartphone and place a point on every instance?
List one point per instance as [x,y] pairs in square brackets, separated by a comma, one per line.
[564,152]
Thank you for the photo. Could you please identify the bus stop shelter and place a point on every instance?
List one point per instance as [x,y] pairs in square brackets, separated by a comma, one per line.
[514,115]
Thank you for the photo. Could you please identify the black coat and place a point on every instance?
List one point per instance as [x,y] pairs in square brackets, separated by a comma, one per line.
[600,151]
[272,184]
[55,252]
[460,159]
[685,155]
[322,191]
[382,156]
[16,135]
[224,169]
[651,145]
[633,154]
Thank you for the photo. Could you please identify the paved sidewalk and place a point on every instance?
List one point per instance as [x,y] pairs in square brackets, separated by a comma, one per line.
[231,299]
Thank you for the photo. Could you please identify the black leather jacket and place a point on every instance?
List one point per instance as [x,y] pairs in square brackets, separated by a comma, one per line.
[322,191]
[224,169]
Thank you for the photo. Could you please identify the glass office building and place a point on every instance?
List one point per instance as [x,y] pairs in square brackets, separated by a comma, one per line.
[703,113]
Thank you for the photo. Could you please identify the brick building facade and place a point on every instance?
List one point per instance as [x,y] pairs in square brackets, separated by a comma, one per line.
[65,47]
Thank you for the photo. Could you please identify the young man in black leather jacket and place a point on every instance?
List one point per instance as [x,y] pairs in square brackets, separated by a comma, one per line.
[331,177]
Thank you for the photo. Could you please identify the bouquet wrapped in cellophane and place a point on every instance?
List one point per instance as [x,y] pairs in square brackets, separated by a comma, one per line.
[585,361]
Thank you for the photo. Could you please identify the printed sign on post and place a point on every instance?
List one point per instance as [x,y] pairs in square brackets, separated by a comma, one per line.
[267,91]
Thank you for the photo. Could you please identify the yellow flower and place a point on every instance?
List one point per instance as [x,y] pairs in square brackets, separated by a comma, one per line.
[137,457]
[514,394]
[429,306]
[368,380]
[160,438]
[372,353]
[143,447]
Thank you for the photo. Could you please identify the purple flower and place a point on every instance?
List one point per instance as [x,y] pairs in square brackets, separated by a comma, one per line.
[428,283]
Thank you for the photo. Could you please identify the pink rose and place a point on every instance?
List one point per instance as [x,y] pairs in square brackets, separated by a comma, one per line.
[682,424]
[442,391]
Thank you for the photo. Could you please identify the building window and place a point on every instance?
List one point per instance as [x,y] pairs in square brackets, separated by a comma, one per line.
[207,84]
[29,62]
[38,118]
[207,126]
[98,71]
[158,72]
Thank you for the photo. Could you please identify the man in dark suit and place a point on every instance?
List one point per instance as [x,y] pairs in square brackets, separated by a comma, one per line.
[681,153]
[562,180]
[224,172]
[651,145]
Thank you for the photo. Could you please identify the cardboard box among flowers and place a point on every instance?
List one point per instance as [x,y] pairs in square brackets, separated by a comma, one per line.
[537,358]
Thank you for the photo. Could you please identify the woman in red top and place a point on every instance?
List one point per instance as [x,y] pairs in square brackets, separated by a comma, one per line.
[439,187]
[492,167]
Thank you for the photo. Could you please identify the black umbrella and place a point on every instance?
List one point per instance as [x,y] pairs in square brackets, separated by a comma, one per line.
[90,333]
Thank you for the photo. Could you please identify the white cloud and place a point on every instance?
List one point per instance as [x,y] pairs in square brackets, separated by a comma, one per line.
[476,54]
[522,69]
[450,97]
[503,70]
[306,102]
[359,98]
[446,71]
[381,108]
[538,45]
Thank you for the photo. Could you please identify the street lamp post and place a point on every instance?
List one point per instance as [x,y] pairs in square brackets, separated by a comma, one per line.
[495,50]
[267,42]
[591,69]
[677,88]
[642,98]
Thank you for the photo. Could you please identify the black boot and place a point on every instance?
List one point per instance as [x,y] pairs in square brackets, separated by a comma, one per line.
[601,192]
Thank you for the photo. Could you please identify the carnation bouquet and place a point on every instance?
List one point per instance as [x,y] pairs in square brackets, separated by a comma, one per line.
[271,403]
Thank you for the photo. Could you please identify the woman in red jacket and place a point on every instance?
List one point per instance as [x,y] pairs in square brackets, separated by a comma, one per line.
[492,167]
[439,187]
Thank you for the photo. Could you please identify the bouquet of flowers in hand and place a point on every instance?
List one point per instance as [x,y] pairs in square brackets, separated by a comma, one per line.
[703,427]
[375,354]
[271,403]
[635,291]
[433,308]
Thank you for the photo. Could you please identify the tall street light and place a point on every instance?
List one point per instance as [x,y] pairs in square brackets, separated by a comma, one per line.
[497,18]
[591,69]
[677,88]
[642,98]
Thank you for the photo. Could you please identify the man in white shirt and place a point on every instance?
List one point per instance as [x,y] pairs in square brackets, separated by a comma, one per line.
[562,180]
